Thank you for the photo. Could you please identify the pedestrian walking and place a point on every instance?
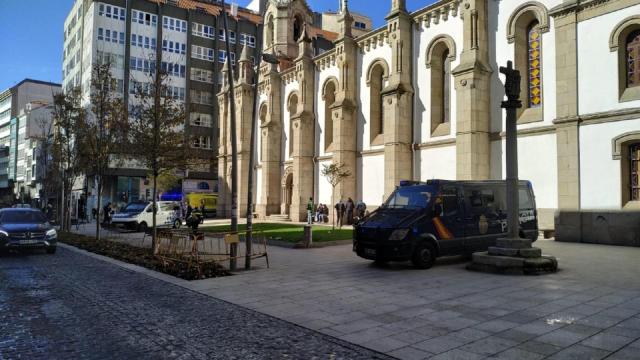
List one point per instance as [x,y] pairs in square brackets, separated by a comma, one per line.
[310,211]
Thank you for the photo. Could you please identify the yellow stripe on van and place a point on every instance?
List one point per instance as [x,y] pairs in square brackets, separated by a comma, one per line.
[442,230]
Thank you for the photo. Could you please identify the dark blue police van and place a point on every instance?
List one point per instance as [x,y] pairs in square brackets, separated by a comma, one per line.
[423,221]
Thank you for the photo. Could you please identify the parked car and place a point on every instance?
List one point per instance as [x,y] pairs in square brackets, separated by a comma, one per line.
[22,228]
[422,221]
[139,215]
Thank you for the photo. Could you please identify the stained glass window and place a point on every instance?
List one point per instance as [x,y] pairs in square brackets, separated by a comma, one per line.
[535,62]
[633,59]
[634,152]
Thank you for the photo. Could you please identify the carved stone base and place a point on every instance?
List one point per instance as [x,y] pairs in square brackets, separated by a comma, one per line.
[515,257]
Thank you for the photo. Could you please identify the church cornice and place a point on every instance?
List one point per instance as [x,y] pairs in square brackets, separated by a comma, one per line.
[326,59]
[577,6]
[289,75]
[373,39]
[437,12]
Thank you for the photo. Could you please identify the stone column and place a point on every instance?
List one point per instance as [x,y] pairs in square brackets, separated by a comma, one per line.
[271,143]
[567,121]
[304,129]
[472,83]
[343,109]
[244,111]
[224,179]
[397,100]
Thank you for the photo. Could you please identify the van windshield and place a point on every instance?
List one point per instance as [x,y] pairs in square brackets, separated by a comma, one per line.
[135,208]
[410,197]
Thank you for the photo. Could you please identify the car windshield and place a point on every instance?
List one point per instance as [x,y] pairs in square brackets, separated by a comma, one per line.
[22,217]
[134,208]
[410,197]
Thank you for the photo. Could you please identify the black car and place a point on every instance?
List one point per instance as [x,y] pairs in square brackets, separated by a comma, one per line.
[423,221]
[22,228]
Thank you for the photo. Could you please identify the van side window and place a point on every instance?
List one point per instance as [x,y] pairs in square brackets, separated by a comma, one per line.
[524,199]
[449,201]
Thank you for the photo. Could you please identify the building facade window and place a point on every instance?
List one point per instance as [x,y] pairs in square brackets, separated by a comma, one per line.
[170,23]
[201,142]
[293,110]
[201,97]
[200,119]
[112,12]
[174,47]
[202,53]
[376,79]
[633,59]
[144,18]
[202,75]
[329,97]
[204,31]
[534,66]
[174,69]
[634,172]
[247,40]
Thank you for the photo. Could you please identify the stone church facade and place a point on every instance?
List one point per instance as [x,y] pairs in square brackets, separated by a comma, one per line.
[419,98]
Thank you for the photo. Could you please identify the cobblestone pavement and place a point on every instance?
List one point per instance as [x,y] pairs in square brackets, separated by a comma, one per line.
[590,309]
[71,306]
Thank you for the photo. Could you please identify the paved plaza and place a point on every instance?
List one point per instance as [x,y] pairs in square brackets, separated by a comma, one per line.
[590,309]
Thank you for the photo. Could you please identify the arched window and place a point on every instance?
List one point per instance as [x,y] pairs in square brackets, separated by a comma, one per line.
[633,59]
[269,33]
[440,54]
[293,109]
[524,30]
[297,28]
[263,119]
[329,97]
[534,73]
[377,76]
[634,171]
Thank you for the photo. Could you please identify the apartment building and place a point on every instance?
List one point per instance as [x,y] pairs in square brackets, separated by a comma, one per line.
[25,117]
[188,38]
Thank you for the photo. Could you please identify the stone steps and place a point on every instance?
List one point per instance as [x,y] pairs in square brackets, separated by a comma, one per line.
[279,218]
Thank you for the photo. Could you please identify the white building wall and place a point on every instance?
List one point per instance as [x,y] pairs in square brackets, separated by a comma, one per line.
[598,66]
[600,182]
[422,77]
[364,62]
[437,163]
[323,192]
[369,179]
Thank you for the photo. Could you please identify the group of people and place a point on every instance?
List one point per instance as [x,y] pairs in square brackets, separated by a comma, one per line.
[347,211]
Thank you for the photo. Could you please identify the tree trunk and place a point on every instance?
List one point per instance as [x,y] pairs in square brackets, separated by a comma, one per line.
[154,238]
[333,190]
[98,204]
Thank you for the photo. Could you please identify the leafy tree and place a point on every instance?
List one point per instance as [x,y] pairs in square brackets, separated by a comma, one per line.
[335,173]
[104,126]
[68,145]
[155,131]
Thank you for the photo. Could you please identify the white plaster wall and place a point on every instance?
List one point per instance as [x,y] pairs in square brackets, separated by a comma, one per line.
[537,162]
[422,76]
[501,51]
[370,181]
[600,183]
[598,66]
[288,89]
[364,61]
[258,190]
[437,163]
[323,192]
[322,77]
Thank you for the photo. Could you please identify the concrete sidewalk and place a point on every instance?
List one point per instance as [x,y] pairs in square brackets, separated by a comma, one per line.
[589,310]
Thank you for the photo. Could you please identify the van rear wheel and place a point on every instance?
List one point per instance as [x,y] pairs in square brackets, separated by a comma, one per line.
[142,227]
[424,256]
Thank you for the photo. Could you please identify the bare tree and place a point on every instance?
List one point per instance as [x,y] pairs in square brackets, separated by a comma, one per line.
[335,173]
[156,131]
[68,145]
[104,127]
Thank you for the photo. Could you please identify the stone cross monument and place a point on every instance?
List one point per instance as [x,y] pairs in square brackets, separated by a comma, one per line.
[513,254]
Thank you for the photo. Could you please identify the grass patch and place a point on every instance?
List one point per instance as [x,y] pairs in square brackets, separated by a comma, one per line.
[142,257]
[291,233]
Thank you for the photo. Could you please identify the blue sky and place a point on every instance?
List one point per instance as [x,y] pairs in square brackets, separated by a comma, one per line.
[33,48]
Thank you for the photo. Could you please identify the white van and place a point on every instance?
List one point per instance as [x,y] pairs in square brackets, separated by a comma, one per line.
[139,215]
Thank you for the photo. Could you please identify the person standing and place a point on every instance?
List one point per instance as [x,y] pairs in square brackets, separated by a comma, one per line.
[310,211]
[350,207]
[338,208]
[202,208]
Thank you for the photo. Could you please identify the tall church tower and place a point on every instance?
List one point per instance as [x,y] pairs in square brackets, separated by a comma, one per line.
[284,23]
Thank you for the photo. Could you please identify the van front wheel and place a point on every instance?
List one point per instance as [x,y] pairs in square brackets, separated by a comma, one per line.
[424,256]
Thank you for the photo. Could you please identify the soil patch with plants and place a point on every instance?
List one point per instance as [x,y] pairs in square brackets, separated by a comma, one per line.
[143,257]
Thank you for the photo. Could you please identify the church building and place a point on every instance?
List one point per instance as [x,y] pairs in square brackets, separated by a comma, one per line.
[419,98]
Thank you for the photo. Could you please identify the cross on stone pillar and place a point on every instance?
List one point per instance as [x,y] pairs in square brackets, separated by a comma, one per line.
[513,254]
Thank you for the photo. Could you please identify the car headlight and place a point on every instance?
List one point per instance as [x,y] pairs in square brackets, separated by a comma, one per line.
[399,234]
[52,233]
[4,233]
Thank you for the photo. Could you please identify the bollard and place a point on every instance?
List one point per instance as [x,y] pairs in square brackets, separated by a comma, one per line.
[308,237]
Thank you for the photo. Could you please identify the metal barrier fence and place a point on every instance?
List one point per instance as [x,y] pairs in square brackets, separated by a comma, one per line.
[178,245]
